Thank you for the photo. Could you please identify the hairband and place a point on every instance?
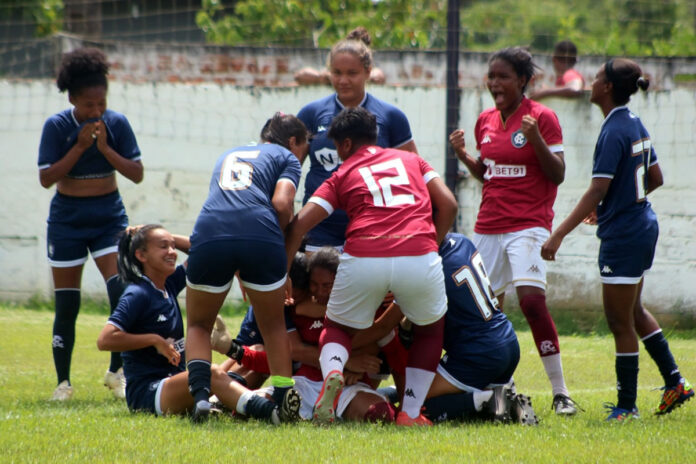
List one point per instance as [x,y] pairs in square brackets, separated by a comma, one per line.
[609,71]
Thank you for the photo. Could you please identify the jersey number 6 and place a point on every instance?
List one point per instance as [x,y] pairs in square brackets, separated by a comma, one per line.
[236,174]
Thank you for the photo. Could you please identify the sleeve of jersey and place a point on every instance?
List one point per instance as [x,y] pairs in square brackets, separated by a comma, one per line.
[326,196]
[477,133]
[399,128]
[306,115]
[127,145]
[48,148]
[550,130]
[292,171]
[126,313]
[427,171]
[607,156]
[178,279]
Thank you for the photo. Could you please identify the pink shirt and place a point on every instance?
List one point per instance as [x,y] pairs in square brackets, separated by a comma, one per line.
[384,193]
[516,193]
[570,76]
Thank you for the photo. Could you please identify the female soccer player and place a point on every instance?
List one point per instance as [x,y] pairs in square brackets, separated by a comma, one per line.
[148,329]
[81,149]
[520,165]
[399,211]
[349,63]
[624,171]
[240,228]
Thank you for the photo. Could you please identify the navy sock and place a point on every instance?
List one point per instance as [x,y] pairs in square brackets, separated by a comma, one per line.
[259,407]
[627,380]
[114,288]
[199,379]
[67,307]
[453,406]
[279,394]
[656,345]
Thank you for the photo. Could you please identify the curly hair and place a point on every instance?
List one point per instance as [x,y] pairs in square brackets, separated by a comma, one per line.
[82,68]
[357,43]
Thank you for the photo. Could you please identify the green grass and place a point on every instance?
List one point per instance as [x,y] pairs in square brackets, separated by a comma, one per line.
[93,427]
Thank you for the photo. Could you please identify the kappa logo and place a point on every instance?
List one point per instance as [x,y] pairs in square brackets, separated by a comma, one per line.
[486,139]
[607,270]
[409,392]
[161,318]
[336,358]
[321,129]
[534,268]
[316,325]
[547,346]
[518,139]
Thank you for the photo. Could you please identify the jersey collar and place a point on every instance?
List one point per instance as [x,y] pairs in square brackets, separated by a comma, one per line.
[615,110]
[342,106]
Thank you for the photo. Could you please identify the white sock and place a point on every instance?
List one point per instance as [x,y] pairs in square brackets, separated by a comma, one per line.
[333,357]
[481,397]
[417,385]
[554,371]
[242,402]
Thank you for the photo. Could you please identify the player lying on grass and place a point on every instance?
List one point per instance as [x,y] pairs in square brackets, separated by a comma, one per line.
[148,329]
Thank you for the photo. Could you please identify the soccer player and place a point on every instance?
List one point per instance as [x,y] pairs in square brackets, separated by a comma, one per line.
[81,149]
[148,328]
[349,63]
[399,210]
[520,165]
[474,377]
[624,171]
[240,228]
[569,82]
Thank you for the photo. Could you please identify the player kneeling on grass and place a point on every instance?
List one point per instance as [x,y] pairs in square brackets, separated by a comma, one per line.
[474,378]
[399,210]
[148,329]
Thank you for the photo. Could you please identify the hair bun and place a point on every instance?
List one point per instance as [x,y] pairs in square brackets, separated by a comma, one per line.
[360,33]
[643,83]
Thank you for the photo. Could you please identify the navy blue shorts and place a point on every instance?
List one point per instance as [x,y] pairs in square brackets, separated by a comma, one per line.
[481,370]
[249,333]
[211,266]
[142,395]
[79,224]
[624,260]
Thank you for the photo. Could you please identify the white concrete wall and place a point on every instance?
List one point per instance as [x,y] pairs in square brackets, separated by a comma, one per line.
[182,128]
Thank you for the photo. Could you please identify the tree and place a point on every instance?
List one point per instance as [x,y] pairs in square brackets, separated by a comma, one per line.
[47,15]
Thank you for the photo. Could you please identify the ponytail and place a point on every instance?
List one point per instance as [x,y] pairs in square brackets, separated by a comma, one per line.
[130,269]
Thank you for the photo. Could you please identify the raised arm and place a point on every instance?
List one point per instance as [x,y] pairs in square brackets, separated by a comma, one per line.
[552,164]
[474,165]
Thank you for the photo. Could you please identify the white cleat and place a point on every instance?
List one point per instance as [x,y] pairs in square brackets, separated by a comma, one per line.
[63,392]
[116,382]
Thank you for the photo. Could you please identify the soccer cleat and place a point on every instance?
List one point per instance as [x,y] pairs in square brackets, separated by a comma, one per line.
[116,382]
[289,409]
[201,411]
[324,411]
[63,392]
[220,338]
[497,408]
[404,420]
[521,410]
[564,405]
[620,415]
[674,397]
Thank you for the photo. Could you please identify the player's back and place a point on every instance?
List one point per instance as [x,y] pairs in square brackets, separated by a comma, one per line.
[473,322]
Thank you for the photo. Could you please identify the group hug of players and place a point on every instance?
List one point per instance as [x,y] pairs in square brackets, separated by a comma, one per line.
[381,287]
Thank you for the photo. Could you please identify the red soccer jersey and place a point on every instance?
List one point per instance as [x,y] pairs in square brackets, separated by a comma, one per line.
[516,193]
[384,193]
[569,76]
[309,329]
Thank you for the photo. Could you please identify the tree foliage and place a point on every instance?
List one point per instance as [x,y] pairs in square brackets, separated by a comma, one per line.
[46,14]
[610,27]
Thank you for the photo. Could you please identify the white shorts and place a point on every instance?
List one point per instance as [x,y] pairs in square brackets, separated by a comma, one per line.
[417,283]
[309,391]
[513,258]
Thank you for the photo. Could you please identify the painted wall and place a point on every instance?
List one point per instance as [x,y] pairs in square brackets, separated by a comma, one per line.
[182,128]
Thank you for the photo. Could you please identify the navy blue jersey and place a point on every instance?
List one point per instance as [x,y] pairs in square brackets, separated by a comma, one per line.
[623,154]
[145,309]
[474,322]
[60,133]
[241,188]
[249,332]
[393,130]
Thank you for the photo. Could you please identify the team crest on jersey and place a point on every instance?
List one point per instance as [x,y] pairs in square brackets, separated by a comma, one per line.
[328,158]
[518,139]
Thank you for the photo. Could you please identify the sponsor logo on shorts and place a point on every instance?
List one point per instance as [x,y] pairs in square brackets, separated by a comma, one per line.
[607,270]
[316,325]
[161,318]
[547,346]
[534,268]
[409,392]
[51,250]
[518,139]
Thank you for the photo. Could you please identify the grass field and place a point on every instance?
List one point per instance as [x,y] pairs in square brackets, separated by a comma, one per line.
[93,427]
